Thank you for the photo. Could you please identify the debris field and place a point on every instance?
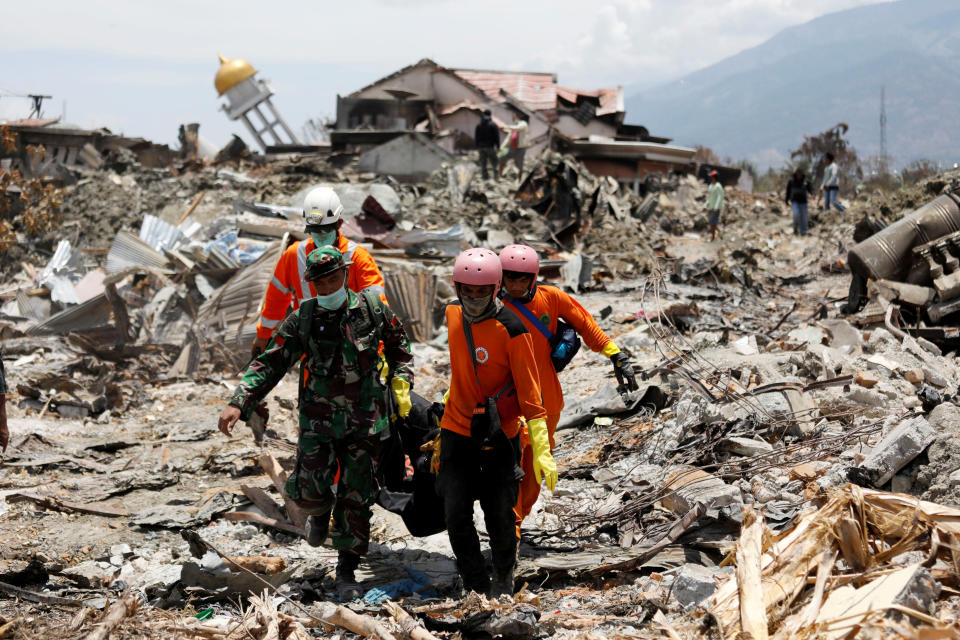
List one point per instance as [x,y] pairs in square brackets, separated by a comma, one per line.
[789,468]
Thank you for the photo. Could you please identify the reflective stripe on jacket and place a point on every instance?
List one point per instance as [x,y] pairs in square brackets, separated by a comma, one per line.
[289,288]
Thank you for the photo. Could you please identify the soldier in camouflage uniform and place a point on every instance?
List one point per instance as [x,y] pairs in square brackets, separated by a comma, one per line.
[342,403]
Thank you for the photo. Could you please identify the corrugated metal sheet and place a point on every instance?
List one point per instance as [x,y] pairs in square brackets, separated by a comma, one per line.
[217,258]
[159,234]
[59,261]
[54,276]
[129,251]
[411,296]
[236,305]
[32,307]
[95,312]
[538,91]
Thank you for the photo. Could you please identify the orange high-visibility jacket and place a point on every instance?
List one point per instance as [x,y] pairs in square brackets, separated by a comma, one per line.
[550,304]
[504,351]
[288,280]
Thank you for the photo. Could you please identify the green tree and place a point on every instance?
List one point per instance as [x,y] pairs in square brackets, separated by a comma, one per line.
[812,155]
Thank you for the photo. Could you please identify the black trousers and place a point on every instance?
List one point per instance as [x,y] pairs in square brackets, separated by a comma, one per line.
[492,476]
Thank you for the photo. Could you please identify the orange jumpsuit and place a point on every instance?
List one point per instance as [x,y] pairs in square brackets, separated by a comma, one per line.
[288,281]
[550,304]
[504,350]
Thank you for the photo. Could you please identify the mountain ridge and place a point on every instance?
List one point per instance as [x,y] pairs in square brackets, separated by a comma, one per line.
[759,103]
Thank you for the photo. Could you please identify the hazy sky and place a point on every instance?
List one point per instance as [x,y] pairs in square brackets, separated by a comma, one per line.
[144,67]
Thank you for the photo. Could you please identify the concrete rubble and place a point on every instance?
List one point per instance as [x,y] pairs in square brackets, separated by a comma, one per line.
[784,466]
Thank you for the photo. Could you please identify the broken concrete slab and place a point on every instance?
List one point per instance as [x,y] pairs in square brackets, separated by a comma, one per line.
[746,446]
[868,397]
[693,584]
[866,379]
[90,574]
[898,447]
[842,335]
[687,487]
[180,516]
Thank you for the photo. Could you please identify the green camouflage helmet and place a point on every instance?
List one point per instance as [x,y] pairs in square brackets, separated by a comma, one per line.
[324,261]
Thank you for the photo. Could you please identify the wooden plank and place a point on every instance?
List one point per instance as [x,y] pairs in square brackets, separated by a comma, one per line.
[123,608]
[263,501]
[249,516]
[191,208]
[824,570]
[279,478]
[753,613]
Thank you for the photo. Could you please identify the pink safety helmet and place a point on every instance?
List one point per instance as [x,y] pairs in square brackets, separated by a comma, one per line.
[520,258]
[478,266]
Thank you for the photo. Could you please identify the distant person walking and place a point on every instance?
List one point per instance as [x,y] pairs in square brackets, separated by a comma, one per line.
[487,137]
[797,190]
[831,184]
[714,204]
[516,144]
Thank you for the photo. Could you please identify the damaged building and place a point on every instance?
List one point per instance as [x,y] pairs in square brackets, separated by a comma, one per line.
[428,102]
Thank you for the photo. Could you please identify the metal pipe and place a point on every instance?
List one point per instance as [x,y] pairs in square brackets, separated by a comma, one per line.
[887,253]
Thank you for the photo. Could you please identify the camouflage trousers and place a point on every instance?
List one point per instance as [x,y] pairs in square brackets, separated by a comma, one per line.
[311,485]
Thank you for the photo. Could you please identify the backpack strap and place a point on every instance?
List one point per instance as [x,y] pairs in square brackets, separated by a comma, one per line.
[516,305]
[374,306]
[468,333]
[307,308]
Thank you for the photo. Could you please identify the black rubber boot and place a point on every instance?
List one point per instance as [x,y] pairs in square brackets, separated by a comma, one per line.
[502,584]
[317,529]
[346,582]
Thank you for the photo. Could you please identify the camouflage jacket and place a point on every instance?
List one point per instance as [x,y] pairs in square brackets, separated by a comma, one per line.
[343,393]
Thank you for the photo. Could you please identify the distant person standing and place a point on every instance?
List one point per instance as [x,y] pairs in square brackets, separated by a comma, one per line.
[797,190]
[714,204]
[487,137]
[516,144]
[831,184]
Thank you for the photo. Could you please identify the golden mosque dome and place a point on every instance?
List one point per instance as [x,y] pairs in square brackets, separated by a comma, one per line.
[231,73]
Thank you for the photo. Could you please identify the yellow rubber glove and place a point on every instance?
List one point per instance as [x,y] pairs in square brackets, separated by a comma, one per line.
[383,368]
[610,349]
[401,389]
[544,466]
[446,395]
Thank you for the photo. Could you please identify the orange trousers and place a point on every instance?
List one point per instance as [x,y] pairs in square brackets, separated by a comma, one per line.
[529,487]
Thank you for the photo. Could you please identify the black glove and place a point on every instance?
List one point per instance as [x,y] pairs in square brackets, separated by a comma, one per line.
[623,369]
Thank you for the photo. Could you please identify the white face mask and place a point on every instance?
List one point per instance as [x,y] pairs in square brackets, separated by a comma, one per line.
[324,239]
[333,301]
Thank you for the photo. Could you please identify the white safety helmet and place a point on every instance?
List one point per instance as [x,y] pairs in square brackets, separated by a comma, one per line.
[322,206]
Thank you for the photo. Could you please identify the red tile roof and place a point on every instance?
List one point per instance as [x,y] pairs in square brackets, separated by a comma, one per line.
[31,122]
[538,91]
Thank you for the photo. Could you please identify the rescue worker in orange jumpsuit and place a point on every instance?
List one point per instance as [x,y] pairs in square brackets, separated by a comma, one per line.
[520,265]
[323,217]
[491,354]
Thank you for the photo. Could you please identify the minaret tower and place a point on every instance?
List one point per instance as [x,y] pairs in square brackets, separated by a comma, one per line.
[245,95]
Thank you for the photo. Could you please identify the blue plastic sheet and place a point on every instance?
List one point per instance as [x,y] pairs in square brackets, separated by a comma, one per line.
[416,583]
[241,250]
